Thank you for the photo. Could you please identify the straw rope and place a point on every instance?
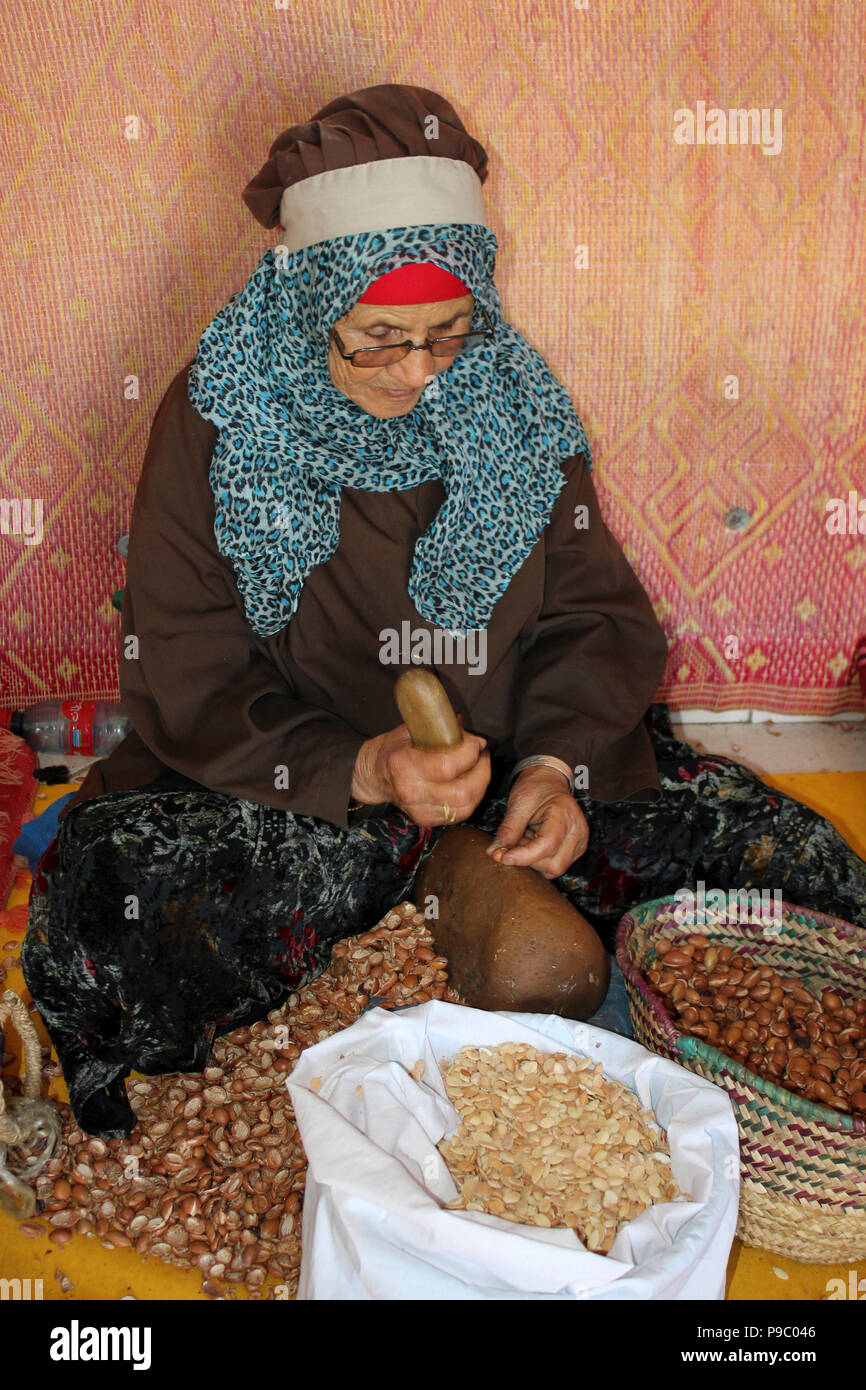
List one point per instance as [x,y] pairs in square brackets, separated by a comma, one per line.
[797,1229]
[13,1010]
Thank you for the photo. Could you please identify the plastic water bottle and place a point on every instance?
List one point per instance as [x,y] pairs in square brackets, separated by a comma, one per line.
[89,728]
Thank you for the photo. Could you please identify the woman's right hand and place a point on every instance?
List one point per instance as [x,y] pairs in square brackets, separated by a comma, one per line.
[422,783]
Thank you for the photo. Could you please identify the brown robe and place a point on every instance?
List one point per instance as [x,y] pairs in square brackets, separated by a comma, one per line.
[574,651]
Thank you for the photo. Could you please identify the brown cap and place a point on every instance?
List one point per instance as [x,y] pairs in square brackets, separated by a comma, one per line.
[384,122]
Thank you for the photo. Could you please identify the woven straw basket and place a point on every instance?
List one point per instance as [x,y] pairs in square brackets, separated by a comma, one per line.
[802,1165]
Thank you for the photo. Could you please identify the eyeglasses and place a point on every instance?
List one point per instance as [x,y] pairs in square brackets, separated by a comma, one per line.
[451,346]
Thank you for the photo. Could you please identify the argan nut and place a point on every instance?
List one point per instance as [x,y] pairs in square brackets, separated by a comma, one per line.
[677,957]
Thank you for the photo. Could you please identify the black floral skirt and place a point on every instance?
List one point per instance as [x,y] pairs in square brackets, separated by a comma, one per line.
[164,916]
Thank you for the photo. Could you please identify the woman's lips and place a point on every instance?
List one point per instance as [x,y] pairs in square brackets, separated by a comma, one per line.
[397,395]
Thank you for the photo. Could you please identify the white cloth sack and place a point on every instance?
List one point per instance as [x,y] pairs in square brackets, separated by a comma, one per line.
[375,1225]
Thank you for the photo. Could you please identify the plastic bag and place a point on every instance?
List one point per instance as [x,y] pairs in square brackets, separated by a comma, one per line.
[375,1224]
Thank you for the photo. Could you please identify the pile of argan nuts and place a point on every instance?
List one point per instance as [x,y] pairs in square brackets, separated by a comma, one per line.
[813,1045]
[213,1175]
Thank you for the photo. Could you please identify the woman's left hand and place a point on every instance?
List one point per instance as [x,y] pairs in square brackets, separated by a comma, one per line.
[543,825]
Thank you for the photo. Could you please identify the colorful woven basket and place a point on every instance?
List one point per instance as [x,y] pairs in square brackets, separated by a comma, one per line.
[802,1165]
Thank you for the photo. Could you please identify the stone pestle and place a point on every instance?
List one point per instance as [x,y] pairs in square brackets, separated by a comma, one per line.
[513,941]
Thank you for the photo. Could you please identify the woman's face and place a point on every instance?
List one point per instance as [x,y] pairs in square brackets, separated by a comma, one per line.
[372,325]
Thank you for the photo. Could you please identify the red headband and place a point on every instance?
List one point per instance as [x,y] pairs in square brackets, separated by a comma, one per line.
[420,283]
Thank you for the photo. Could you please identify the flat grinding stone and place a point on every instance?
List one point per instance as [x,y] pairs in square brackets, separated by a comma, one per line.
[512,940]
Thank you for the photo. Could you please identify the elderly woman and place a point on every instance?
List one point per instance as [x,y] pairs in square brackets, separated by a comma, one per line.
[364,457]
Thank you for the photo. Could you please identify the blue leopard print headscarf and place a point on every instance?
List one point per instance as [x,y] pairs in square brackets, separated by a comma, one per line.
[494,426]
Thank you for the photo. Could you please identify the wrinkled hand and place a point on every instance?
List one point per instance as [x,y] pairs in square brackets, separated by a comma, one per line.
[543,825]
[421,782]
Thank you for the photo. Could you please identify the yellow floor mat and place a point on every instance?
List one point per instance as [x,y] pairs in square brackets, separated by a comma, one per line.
[96,1273]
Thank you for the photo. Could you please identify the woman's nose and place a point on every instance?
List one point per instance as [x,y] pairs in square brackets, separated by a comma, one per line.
[416,367]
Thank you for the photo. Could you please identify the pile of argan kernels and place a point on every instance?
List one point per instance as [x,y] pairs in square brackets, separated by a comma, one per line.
[545,1139]
[813,1044]
[213,1175]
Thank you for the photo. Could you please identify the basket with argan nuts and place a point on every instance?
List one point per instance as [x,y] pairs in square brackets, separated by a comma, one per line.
[775,1013]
